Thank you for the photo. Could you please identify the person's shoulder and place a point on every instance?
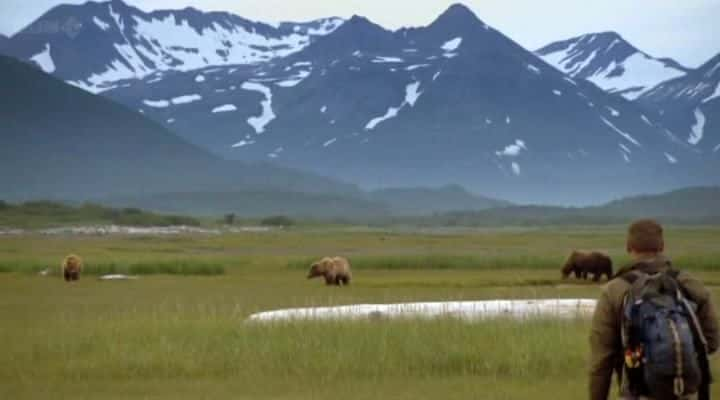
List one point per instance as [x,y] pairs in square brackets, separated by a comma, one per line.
[694,286]
[615,290]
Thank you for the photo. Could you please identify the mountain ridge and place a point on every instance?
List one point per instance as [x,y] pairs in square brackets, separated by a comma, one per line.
[88,146]
[611,62]
[116,41]
[429,106]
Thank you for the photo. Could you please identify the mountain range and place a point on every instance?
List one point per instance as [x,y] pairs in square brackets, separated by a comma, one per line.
[696,206]
[97,44]
[691,105]
[64,143]
[579,121]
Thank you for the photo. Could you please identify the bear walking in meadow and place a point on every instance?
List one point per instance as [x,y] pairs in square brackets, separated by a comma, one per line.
[583,264]
[335,270]
[71,267]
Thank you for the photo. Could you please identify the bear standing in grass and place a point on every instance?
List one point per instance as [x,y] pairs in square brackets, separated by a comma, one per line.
[584,264]
[335,270]
[71,267]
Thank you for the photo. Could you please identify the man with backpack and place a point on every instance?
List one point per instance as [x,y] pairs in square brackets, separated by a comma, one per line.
[654,325]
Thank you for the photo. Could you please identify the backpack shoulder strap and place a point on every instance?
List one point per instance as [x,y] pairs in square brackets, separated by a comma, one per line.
[631,276]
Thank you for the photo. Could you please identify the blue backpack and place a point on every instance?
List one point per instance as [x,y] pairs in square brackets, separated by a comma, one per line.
[661,338]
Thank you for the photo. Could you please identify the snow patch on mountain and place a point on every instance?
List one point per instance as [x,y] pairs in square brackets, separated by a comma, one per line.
[101,24]
[179,40]
[533,68]
[185,99]
[716,149]
[380,60]
[625,156]
[294,81]
[224,108]
[697,128]
[715,94]
[670,158]
[44,60]
[412,94]
[452,45]
[614,112]
[260,122]
[416,66]
[243,143]
[156,103]
[512,150]
[323,109]
[640,70]
[557,92]
[392,112]
[329,142]
[200,79]
[213,45]
[625,152]
[515,168]
[613,65]
[625,135]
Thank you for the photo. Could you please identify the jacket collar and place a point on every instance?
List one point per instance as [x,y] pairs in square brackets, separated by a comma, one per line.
[652,265]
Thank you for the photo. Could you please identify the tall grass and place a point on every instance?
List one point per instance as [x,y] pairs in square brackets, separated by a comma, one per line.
[703,262]
[127,346]
[442,262]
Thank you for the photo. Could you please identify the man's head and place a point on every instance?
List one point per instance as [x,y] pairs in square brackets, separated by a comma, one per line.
[645,237]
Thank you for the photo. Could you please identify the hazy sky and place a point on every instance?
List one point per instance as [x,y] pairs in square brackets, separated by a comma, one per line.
[687,30]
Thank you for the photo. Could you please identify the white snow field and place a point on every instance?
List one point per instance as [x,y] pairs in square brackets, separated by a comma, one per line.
[412,94]
[44,60]
[224,108]
[170,43]
[625,135]
[452,45]
[512,150]
[260,122]
[698,127]
[468,310]
[640,71]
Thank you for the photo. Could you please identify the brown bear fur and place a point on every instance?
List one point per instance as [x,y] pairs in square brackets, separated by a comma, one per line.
[335,270]
[582,264]
[71,267]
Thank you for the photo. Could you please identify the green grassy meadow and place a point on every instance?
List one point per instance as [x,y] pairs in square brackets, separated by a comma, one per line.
[178,332]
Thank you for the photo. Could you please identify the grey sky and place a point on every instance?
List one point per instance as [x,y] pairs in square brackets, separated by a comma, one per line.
[686,30]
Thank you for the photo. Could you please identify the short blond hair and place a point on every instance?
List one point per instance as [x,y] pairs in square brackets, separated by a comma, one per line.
[645,236]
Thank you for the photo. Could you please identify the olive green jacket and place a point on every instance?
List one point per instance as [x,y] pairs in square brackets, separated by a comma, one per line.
[606,353]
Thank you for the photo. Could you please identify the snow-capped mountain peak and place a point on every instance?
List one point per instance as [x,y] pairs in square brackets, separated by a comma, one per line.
[113,41]
[610,62]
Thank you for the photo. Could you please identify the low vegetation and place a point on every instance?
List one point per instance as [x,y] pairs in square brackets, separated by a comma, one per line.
[47,213]
[164,336]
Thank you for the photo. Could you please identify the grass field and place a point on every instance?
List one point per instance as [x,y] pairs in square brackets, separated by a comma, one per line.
[179,333]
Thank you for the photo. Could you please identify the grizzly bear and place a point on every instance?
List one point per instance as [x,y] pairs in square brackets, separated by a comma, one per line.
[335,270]
[71,267]
[582,264]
